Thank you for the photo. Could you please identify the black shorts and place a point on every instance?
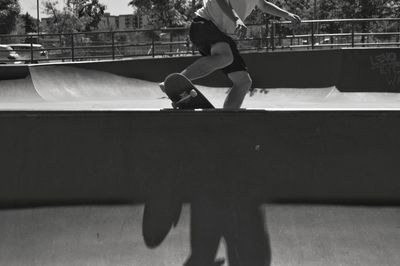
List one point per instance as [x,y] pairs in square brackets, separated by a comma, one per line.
[203,34]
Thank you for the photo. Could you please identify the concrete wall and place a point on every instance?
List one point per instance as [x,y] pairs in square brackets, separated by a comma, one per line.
[368,70]
[13,72]
[105,157]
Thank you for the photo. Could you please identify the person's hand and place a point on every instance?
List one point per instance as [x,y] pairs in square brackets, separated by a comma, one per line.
[293,18]
[241,29]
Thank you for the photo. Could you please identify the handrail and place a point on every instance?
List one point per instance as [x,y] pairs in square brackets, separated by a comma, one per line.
[341,20]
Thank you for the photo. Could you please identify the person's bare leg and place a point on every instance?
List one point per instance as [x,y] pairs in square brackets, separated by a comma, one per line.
[221,56]
[241,85]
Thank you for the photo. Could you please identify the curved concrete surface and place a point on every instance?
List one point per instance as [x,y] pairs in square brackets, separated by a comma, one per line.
[284,152]
[332,138]
[65,83]
[18,90]
[301,235]
[70,87]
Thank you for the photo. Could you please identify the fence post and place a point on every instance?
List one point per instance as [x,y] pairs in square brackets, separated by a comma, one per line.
[266,35]
[292,38]
[352,34]
[152,45]
[170,42]
[72,48]
[113,45]
[312,36]
[279,35]
[273,35]
[31,49]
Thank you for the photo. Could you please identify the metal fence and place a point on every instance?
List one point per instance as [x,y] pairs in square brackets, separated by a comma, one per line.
[271,36]
[335,33]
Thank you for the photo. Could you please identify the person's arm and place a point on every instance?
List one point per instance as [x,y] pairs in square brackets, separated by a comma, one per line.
[274,10]
[228,10]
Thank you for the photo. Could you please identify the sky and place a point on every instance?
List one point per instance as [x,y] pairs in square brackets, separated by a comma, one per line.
[115,7]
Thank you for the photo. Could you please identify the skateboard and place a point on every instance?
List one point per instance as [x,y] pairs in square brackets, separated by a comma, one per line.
[183,94]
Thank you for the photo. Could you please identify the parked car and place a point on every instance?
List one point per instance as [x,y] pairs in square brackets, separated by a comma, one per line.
[24,51]
[8,55]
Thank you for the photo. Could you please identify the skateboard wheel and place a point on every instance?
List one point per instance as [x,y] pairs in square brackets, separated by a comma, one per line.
[193,93]
[174,105]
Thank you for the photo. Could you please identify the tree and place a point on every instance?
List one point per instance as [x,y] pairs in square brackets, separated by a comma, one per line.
[164,13]
[62,21]
[330,9]
[91,11]
[333,9]
[77,15]
[256,17]
[29,23]
[303,8]
[9,11]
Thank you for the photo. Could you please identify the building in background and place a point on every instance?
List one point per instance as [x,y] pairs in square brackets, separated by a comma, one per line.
[123,22]
[110,22]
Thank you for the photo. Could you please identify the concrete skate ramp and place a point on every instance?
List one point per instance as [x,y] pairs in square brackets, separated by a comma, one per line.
[68,87]
[18,90]
[68,83]
[329,98]
[284,152]
[71,87]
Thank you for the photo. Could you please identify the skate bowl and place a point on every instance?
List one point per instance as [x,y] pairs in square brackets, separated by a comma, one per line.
[320,127]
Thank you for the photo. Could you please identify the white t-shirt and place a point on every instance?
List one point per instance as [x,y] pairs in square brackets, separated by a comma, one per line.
[211,11]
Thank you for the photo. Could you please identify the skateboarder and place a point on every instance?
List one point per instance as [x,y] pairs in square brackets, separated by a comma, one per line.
[213,30]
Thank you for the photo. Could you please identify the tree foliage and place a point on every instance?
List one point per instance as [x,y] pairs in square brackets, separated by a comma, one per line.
[336,9]
[333,9]
[77,15]
[9,11]
[29,23]
[166,13]
[85,15]
[358,8]
[90,11]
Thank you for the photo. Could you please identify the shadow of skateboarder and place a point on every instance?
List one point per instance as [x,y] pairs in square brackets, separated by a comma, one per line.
[219,209]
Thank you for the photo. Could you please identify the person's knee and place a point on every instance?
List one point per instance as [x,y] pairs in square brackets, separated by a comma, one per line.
[243,82]
[247,82]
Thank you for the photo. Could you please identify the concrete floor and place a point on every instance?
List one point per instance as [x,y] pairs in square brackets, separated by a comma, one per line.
[111,235]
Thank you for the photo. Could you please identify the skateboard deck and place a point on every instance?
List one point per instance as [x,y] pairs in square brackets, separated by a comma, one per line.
[183,94]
